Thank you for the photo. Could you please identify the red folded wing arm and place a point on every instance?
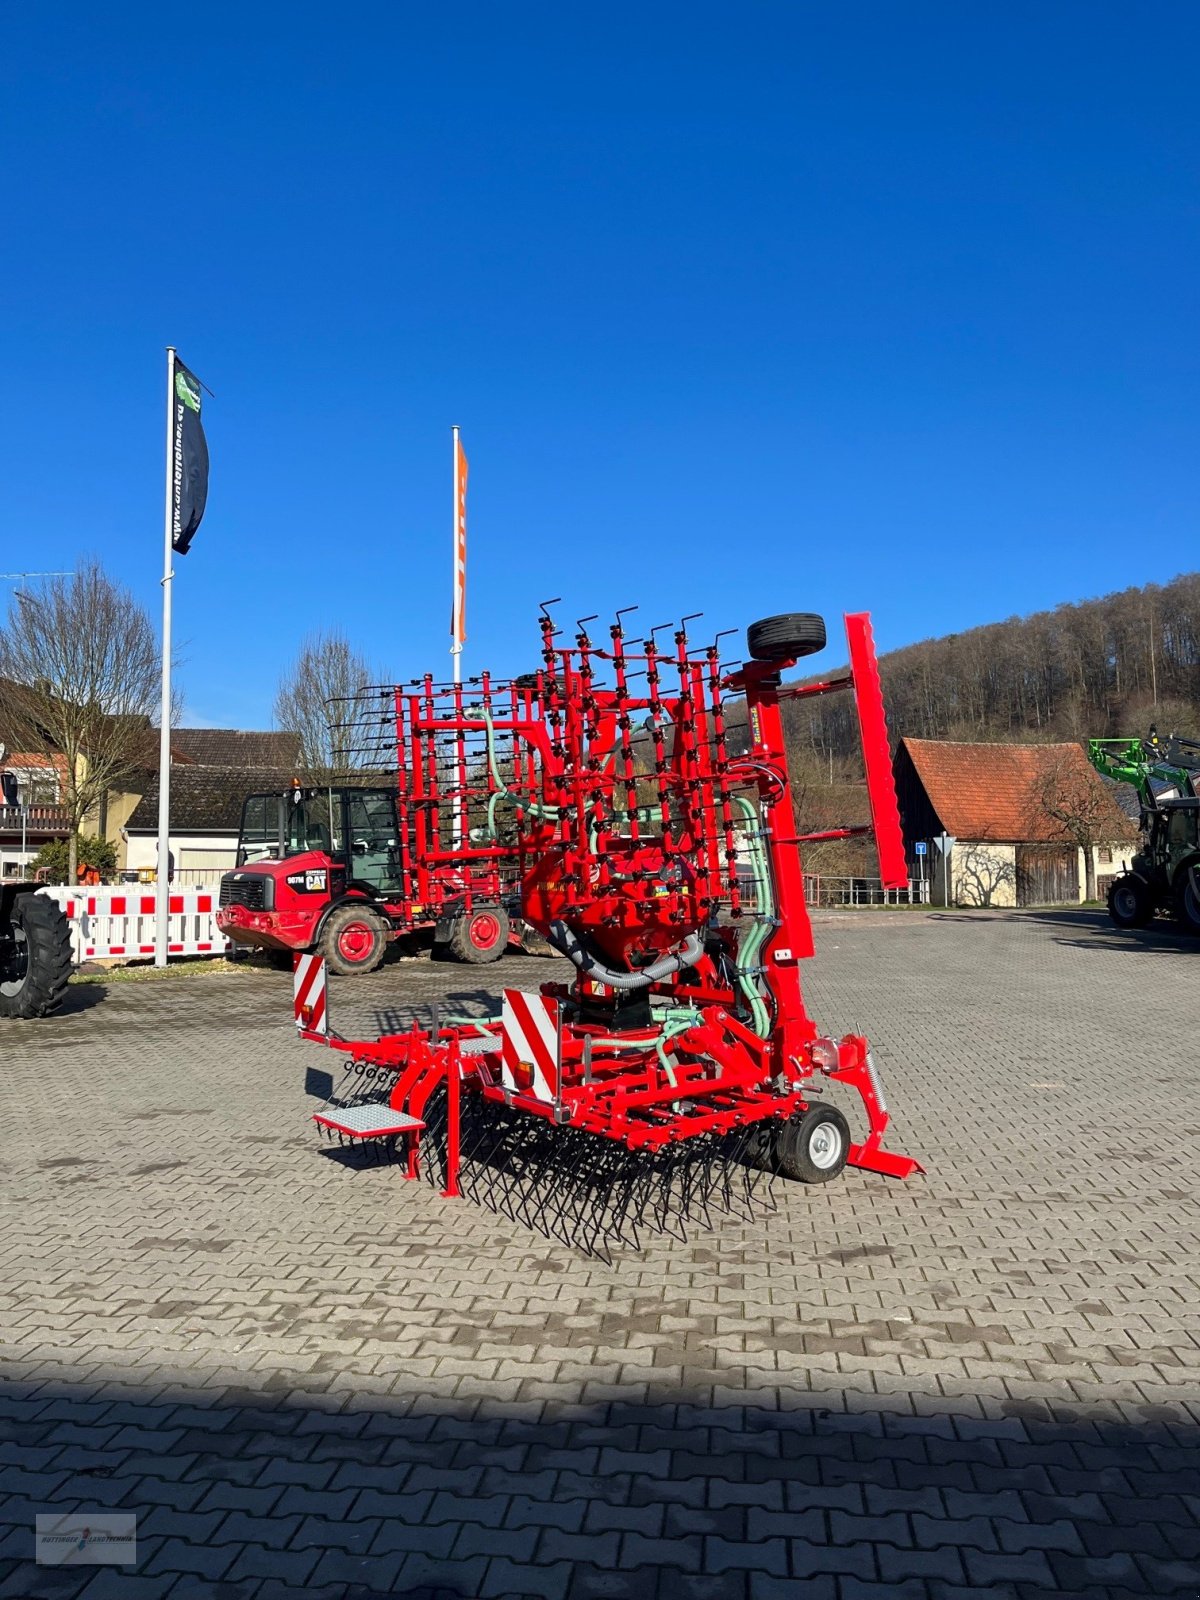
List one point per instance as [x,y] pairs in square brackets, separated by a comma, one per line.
[877,755]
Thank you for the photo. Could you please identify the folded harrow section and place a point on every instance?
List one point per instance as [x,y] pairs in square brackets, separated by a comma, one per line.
[643,797]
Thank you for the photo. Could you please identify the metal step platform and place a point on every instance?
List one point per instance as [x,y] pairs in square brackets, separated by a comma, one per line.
[479,1045]
[368,1122]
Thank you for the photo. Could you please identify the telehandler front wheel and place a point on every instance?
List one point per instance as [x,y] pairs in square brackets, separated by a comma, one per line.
[354,940]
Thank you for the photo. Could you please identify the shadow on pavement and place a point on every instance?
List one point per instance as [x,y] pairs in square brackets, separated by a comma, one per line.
[79,997]
[360,1485]
[1094,929]
[318,1083]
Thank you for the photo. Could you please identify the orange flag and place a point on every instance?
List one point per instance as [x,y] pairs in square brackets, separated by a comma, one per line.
[458,615]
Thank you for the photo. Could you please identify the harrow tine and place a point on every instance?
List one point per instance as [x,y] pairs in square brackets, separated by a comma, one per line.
[620,1183]
[586,1198]
[668,1218]
[737,1176]
[531,1155]
[705,1177]
[760,1180]
[475,1168]
[689,1163]
[628,1182]
[503,1159]
[606,1165]
[724,1172]
[567,1179]
[588,1180]
[527,1206]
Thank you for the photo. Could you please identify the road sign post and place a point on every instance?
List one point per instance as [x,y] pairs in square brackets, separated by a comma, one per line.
[945,843]
[920,850]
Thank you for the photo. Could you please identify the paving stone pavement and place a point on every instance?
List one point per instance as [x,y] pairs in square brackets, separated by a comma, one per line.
[310,1377]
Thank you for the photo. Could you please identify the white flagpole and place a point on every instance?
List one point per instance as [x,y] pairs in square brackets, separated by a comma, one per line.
[162,901]
[456,642]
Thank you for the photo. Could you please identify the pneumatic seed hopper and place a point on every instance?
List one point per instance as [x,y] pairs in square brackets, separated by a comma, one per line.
[644,796]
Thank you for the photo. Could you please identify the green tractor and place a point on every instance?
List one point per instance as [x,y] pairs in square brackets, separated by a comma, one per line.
[1165,873]
[35,952]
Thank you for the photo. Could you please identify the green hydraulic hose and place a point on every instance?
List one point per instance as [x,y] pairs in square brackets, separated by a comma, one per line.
[749,951]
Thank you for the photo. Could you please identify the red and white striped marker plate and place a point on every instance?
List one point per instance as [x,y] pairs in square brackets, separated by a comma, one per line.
[308,994]
[529,1029]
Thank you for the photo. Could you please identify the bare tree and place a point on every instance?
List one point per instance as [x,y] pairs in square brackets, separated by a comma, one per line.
[83,669]
[1070,793]
[320,698]
[981,873]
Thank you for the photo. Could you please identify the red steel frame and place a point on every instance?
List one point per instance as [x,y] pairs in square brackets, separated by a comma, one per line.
[638,861]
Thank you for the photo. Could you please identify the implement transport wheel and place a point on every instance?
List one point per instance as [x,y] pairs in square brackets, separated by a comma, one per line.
[480,936]
[1130,904]
[35,956]
[813,1148]
[786,637]
[354,940]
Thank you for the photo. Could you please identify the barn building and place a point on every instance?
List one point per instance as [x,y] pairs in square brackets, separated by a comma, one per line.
[997,803]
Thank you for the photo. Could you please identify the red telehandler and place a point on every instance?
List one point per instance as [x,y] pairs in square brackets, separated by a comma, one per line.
[344,869]
[666,868]
[325,869]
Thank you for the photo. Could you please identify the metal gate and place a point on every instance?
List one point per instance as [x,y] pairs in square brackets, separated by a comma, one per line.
[1047,875]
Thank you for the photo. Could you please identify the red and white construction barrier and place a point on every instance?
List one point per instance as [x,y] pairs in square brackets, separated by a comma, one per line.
[114,921]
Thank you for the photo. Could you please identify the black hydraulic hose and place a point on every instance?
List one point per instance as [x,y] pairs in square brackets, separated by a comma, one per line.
[561,937]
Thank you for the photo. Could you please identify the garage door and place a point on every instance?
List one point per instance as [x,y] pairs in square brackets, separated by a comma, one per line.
[214,861]
[1047,875]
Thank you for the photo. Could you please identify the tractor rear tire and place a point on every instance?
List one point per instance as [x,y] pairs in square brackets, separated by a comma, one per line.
[353,941]
[813,1148]
[480,936]
[1187,899]
[34,978]
[1130,903]
[786,637]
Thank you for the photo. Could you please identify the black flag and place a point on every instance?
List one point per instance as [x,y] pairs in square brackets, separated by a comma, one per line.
[189,467]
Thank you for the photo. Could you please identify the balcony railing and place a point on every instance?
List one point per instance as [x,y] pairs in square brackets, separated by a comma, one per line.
[37,820]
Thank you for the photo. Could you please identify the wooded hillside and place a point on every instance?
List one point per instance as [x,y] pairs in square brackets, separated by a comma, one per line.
[1098,667]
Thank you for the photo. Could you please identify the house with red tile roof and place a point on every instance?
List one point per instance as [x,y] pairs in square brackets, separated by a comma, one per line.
[1031,824]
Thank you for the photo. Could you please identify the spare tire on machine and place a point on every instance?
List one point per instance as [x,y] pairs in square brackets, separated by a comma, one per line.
[786,637]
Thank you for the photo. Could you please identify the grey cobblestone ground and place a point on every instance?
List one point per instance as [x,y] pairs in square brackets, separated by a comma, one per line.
[311,1378]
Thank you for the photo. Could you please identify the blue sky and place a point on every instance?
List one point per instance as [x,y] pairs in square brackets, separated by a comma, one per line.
[740,308]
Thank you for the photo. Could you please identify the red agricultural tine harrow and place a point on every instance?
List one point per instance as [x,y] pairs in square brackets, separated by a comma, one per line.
[641,800]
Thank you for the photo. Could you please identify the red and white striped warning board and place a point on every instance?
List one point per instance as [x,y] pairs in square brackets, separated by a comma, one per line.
[308,994]
[529,1032]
